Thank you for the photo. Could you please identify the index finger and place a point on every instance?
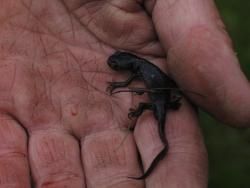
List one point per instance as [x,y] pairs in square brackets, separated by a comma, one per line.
[201,58]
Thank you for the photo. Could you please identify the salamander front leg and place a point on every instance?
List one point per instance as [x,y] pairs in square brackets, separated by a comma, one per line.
[113,85]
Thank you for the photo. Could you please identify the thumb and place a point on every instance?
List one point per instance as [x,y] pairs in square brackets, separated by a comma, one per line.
[201,58]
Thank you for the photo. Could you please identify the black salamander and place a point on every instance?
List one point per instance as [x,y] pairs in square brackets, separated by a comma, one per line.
[162,91]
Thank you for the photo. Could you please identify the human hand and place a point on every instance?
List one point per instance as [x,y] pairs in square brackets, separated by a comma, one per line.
[54,75]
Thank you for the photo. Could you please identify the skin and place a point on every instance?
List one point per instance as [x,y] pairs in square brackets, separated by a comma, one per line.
[57,121]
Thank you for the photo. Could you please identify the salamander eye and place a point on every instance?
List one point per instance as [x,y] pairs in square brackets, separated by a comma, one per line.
[113,64]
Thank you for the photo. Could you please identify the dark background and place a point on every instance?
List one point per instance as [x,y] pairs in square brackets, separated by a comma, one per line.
[229,148]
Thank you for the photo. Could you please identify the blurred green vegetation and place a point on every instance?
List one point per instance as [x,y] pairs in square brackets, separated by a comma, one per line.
[228,148]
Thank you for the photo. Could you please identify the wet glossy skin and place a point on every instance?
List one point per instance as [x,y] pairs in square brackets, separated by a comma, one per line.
[162,91]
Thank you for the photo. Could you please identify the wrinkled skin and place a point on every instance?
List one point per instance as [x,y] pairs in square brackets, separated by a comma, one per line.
[58,122]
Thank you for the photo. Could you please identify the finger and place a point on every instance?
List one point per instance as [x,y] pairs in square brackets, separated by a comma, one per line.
[201,59]
[185,164]
[55,159]
[105,164]
[14,168]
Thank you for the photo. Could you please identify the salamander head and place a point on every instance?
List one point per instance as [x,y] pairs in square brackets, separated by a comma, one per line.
[122,61]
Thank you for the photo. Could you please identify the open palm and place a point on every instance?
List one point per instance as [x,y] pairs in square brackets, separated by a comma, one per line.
[54,76]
